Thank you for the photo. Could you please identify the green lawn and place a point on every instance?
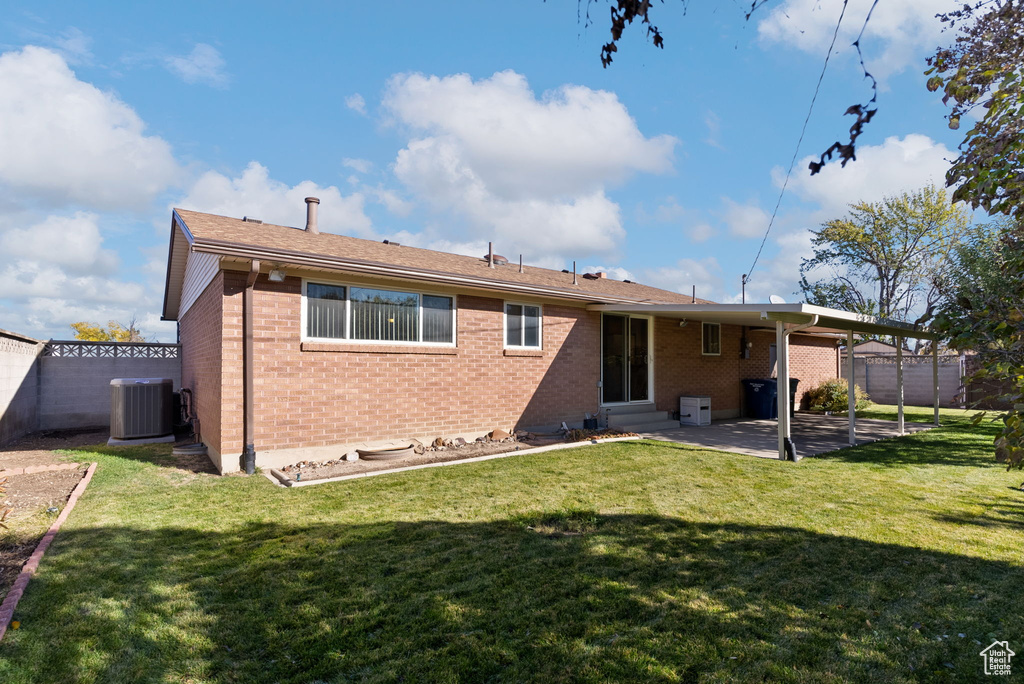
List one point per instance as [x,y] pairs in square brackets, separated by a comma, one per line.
[634,561]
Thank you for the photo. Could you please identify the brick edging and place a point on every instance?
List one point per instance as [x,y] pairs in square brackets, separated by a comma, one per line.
[32,564]
[28,470]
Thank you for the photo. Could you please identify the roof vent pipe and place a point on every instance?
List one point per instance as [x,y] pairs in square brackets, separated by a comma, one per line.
[520,263]
[574,281]
[490,254]
[311,205]
[693,297]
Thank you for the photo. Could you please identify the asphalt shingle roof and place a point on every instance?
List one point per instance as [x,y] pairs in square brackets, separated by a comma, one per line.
[239,233]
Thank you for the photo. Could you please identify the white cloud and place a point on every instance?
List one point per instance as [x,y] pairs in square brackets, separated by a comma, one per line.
[572,140]
[203,65]
[897,36]
[895,166]
[704,273]
[744,220]
[65,141]
[360,165]
[254,193]
[529,172]
[702,232]
[75,46]
[356,103]
[614,272]
[70,242]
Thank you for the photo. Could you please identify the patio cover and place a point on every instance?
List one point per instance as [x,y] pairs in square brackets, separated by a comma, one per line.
[806,318]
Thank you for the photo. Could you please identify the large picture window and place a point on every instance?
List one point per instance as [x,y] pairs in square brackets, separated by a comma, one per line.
[337,312]
[522,326]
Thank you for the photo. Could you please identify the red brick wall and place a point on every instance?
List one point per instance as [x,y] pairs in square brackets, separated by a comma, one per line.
[680,368]
[317,394]
[812,359]
[200,334]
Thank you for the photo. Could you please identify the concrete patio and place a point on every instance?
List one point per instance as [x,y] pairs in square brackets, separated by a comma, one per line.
[811,433]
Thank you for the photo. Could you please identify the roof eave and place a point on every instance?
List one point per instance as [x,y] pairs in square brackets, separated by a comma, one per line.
[238,250]
[751,314]
[176,222]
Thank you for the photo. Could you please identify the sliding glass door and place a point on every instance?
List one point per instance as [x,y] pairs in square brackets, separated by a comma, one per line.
[625,359]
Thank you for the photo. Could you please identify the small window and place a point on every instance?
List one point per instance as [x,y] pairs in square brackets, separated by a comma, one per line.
[711,335]
[325,311]
[522,326]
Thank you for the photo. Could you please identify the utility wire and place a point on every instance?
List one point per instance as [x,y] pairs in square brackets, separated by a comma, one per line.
[803,130]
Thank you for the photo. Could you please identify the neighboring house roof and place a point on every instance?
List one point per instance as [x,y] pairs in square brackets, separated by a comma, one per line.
[192,231]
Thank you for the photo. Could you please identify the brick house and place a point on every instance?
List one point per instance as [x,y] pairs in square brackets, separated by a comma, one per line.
[354,341]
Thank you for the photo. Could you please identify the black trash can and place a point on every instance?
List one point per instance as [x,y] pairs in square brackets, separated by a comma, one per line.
[793,382]
[759,398]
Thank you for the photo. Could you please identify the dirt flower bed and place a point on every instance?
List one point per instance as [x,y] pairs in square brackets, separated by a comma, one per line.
[36,500]
[442,451]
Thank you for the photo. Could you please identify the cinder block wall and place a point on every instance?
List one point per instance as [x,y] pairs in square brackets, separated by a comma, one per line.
[75,392]
[18,386]
[877,377]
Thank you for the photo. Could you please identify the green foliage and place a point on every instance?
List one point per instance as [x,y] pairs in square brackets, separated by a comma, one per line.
[833,395]
[886,258]
[983,312]
[982,70]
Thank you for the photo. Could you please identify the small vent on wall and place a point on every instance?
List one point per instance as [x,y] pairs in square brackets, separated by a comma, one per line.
[250,219]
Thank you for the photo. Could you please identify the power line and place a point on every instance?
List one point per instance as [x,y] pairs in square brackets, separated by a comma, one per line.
[803,130]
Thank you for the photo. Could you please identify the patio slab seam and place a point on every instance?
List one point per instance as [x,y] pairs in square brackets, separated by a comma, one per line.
[10,603]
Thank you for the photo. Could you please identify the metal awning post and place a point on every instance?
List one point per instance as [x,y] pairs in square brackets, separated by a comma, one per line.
[935,379]
[782,386]
[899,384]
[851,394]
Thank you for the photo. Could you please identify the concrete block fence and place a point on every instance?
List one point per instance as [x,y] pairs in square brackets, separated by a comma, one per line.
[66,384]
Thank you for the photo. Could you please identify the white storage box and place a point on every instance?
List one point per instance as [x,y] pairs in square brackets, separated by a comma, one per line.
[695,410]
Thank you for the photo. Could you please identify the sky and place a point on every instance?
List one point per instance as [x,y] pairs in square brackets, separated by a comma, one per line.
[445,125]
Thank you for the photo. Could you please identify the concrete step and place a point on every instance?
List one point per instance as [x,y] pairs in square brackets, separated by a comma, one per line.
[655,427]
[629,421]
[626,409]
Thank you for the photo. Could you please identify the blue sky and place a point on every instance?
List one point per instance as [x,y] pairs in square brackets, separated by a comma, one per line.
[441,125]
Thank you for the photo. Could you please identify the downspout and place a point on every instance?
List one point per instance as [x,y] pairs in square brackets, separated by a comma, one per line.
[249,417]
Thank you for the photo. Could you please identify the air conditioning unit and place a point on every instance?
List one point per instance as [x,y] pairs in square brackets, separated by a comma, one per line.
[141,407]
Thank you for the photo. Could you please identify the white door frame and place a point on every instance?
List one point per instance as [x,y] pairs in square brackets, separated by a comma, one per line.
[650,361]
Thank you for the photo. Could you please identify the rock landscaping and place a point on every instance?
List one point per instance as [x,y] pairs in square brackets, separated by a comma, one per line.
[440,450]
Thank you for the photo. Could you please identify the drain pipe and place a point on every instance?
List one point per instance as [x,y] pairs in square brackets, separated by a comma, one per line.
[249,417]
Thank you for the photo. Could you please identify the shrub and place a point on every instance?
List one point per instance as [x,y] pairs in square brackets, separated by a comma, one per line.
[831,395]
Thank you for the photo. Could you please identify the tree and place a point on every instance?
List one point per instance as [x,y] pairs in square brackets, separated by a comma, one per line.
[984,70]
[983,311]
[886,258]
[114,332]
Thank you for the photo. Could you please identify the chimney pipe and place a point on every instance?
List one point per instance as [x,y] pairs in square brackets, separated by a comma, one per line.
[520,263]
[490,255]
[574,281]
[311,205]
[693,297]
